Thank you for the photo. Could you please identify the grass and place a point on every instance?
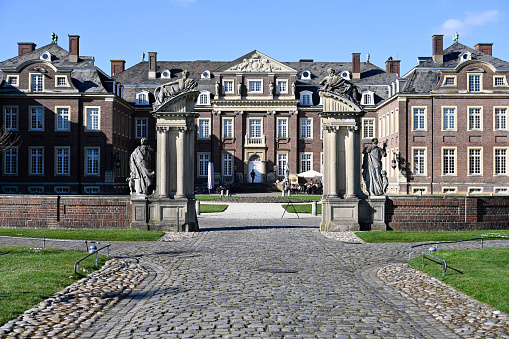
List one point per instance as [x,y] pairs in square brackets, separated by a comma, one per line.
[97,235]
[212,208]
[30,275]
[481,273]
[302,208]
[427,236]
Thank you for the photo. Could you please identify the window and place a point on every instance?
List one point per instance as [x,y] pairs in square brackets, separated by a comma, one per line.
[36,118]
[255,86]
[228,86]
[474,190]
[448,161]
[499,81]
[474,83]
[36,83]
[474,119]
[419,190]
[63,119]
[227,164]
[92,161]
[501,119]
[11,118]
[282,86]
[305,75]
[368,128]
[474,161]
[448,190]
[61,81]
[13,80]
[306,160]
[141,128]
[367,98]
[500,161]
[62,189]
[92,190]
[45,56]
[419,119]
[62,160]
[501,190]
[35,189]
[10,189]
[306,126]
[450,81]
[204,98]
[92,118]
[203,129]
[449,119]
[282,160]
[227,128]
[306,98]
[255,128]
[36,161]
[282,128]
[205,74]
[142,98]
[419,161]
[11,161]
[203,164]
[166,74]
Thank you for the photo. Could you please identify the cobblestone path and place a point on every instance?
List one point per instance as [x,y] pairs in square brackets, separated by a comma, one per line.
[262,281]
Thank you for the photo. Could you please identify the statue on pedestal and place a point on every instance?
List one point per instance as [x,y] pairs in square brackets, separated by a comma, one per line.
[141,174]
[164,92]
[372,174]
[335,83]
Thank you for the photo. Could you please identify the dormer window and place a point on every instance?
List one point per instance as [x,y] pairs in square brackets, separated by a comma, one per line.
[450,81]
[205,74]
[305,75]
[367,98]
[61,81]
[346,75]
[13,80]
[465,56]
[142,98]
[45,56]
[499,81]
[166,74]
[203,98]
[306,98]
[36,82]
[474,82]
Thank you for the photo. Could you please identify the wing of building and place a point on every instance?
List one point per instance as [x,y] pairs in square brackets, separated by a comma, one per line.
[445,121]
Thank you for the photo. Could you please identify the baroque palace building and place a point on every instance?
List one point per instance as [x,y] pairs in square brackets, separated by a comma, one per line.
[445,121]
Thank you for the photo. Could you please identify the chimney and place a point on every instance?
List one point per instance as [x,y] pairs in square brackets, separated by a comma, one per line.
[392,66]
[484,47]
[438,48]
[152,65]
[25,47]
[117,66]
[356,65]
[74,48]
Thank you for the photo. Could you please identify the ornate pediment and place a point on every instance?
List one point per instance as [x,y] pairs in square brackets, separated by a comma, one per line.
[255,62]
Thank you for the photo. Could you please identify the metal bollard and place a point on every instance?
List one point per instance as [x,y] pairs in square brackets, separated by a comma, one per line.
[198,207]
[314,206]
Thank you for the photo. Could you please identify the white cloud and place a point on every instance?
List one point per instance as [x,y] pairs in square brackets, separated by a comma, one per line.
[463,27]
[451,26]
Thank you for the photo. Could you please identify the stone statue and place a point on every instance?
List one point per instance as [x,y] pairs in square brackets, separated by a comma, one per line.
[372,168]
[455,37]
[293,88]
[141,174]
[142,56]
[335,83]
[239,88]
[164,92]
[216,87]
[54,38]
[368,56]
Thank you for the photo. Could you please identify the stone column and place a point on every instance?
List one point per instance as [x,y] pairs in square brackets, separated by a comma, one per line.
[181,161]
[350,161]
[162,161]
[333,164]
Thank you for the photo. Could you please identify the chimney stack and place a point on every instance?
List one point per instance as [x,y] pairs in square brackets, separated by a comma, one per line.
[392,66]
[438,48]
[484,47]
[25,47]
[74,48]
[152,65]
[117,66]
[356,65]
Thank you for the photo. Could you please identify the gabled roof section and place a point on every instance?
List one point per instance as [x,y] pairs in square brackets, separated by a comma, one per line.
[255,62]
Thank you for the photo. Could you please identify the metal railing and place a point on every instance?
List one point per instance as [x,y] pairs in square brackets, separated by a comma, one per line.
[93,250]
[435,248]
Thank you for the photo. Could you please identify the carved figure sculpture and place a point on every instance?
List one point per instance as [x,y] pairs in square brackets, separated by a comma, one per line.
[271,88]
[216,88]
[335,83]
[372,168]
[164,92]
[139,164]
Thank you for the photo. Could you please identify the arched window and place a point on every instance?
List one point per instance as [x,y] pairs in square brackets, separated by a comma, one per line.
[346,75]
[205,74]
[165,74]
[45,56]
[142,98]
[203,98]
[306,98]
[367,98]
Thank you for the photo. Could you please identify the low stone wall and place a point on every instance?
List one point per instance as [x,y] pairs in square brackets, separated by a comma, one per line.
[70,211]
[415,213]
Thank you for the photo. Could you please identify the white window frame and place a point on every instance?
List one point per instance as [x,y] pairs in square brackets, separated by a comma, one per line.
[477,169]
[165,74]
[306,128]
[424,157]
[303,77]
[203,98]
[419,190]
[11,118]
[66,161]
[454,118]
[498,77]
[62,189]
[453,77]
[282,160]
[92,121]
[40,87]
[474,190]
[141,128]
[204,128]
[226,88]
[36,169]
[227,165]
[202,164]
[228,128]
[501,190]
[255,131]
[142,98]
[368,123]
[60,77]
[368,98]
[9,77]
[416,118]
[305,157]
[469,88]
[282,128]
[304,94]
[282,86]
[500,119]
[455,161]
[480,118]
[253,88]
[92,161]
[503,162]
[62,121]
[10,159]
[37,119]
[205,74]
[451,190]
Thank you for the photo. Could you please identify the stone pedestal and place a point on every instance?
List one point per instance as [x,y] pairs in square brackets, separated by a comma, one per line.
[372,213]
[340,215]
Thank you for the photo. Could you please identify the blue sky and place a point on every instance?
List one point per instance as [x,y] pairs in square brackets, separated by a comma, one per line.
[224,30]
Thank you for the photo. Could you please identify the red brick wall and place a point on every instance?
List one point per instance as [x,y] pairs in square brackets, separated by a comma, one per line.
[446,213]
[72,212]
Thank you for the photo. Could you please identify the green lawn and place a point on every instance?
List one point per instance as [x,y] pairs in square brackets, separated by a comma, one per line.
[302,208]
[407,236]
[30,275]
[481,273]
[212,208]
[97,235]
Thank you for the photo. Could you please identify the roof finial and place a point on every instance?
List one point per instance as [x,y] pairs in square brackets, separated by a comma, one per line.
[54,38]
[455,37]
[142,56]
[367,57]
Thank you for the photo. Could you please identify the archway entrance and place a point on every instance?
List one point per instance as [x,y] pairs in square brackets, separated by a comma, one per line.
[255,164]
